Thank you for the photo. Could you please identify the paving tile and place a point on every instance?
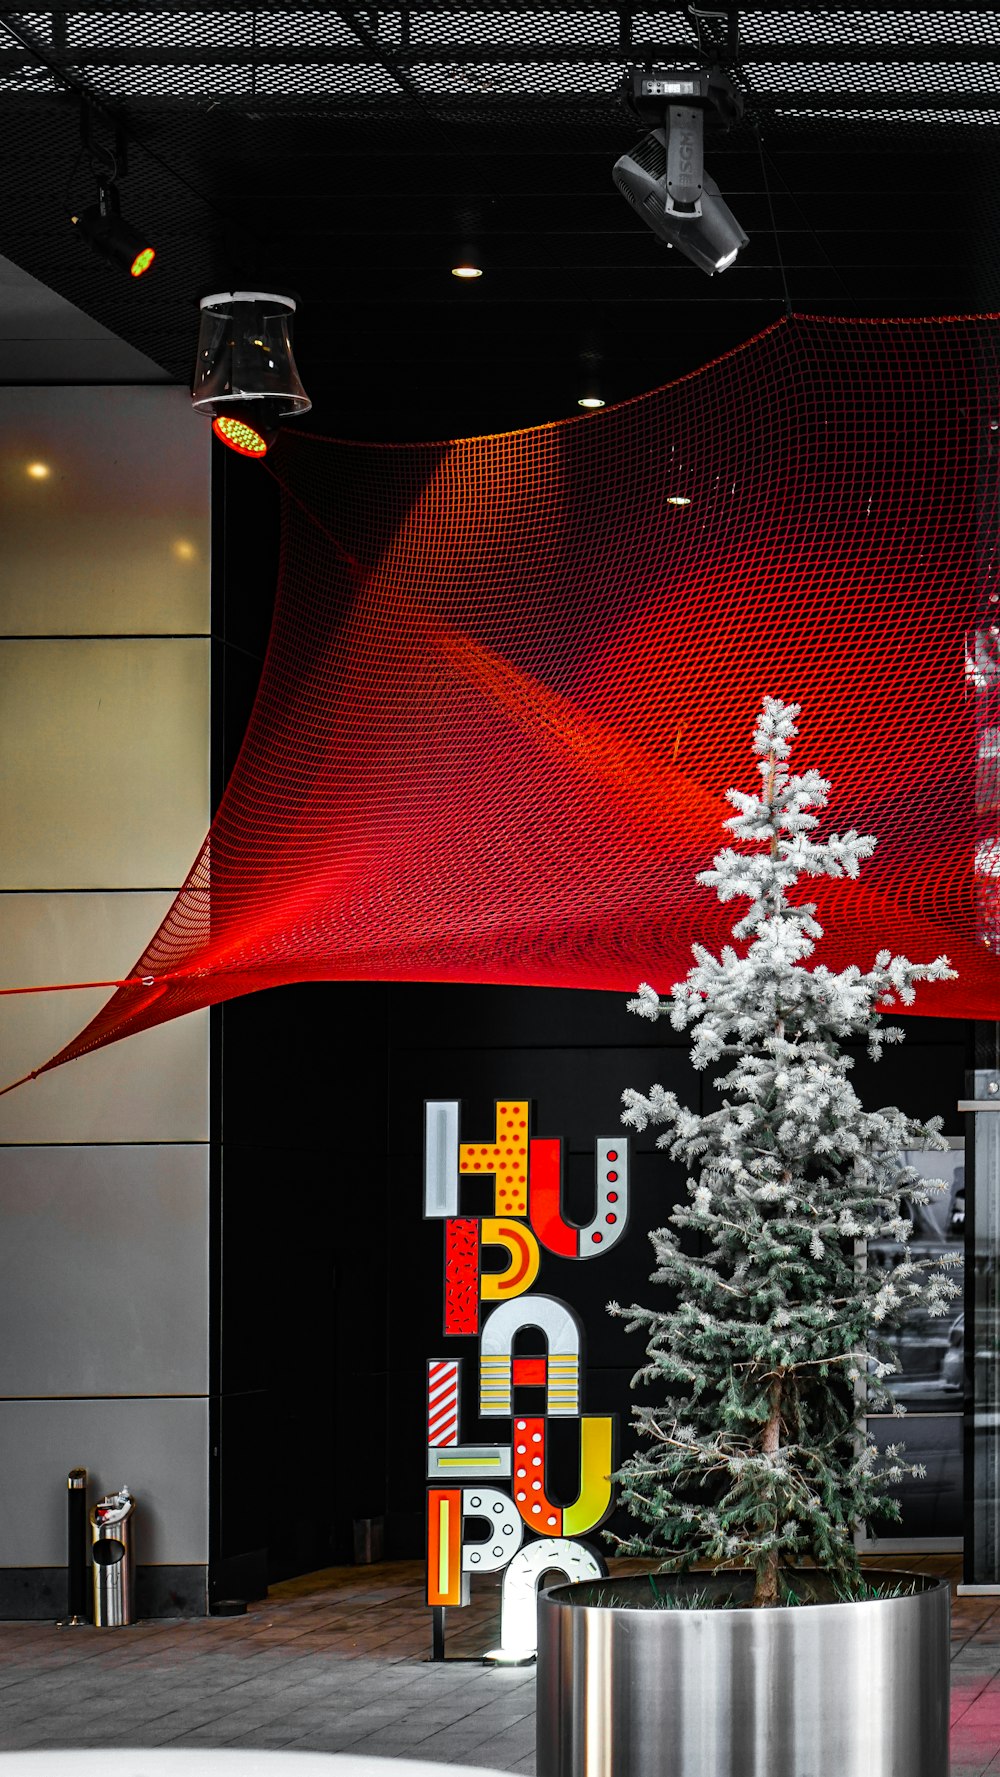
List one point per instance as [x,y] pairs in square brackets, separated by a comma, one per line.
[269,1736]
[960,1706]
[338,1661]
[493,1759]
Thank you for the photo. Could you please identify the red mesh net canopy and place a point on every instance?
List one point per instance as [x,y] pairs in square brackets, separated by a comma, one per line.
[510,678]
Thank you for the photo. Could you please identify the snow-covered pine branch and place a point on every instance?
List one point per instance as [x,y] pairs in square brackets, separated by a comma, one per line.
[757,1455]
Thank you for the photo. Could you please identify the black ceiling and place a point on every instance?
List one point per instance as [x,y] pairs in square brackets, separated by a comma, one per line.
[343,152]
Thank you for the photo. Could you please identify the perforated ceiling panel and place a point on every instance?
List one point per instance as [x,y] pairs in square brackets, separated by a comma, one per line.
[343,151]
[211,52]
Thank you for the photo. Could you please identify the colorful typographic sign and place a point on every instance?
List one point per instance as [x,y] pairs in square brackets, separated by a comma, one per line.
[504,1486]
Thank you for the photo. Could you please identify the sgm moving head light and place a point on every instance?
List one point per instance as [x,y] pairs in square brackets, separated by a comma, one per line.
[663,176]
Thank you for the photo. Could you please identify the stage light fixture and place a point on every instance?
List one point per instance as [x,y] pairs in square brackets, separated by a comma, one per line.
[590,401]
[663,177]
[248,437]
[466,271]
[104,228]
[245,376]
[102,224]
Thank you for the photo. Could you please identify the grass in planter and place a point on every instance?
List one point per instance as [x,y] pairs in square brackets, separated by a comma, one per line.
[865,1593]
[861,1591]
[607,1598]
[794,1592]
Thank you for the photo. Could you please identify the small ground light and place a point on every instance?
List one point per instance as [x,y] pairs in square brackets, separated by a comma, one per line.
[38,471]
[678,500]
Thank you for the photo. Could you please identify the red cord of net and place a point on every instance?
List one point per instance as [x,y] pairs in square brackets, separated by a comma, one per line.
[510,679]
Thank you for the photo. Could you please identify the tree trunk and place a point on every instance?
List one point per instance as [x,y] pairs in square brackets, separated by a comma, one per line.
[766,1588]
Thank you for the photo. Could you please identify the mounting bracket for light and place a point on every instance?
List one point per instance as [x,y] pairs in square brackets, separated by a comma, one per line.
[650,90]
[245,375]
[728,15]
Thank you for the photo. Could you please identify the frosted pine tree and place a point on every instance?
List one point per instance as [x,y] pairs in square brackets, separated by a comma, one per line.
[758,1456]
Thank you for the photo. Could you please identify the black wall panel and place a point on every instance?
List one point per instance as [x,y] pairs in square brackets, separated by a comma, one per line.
[334,1291]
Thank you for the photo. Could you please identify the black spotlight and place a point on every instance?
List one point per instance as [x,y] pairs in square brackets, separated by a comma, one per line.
[250,432]
[102,225]
[663,176]
[104,228]
[245,376]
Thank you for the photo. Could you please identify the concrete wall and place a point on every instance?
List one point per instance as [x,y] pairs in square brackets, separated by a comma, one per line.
[104,1194]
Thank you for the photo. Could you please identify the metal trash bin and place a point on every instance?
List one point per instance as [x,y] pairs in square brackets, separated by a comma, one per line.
[76,1550]
[114,1564]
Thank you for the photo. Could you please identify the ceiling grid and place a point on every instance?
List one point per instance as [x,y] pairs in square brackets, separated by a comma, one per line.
[343,150]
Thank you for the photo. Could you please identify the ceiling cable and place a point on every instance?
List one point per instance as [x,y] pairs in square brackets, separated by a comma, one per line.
[774,225]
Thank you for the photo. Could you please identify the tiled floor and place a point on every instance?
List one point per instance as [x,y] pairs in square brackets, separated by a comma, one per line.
[339,1662]
[975,1684]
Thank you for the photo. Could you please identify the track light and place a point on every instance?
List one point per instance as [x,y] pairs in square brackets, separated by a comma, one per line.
[663,176]
[102,225]
[245,376]
[104,228]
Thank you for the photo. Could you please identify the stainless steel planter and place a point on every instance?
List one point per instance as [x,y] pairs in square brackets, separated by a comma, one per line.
[826,1690]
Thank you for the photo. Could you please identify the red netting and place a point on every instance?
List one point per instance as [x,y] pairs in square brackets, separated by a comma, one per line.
[509,681]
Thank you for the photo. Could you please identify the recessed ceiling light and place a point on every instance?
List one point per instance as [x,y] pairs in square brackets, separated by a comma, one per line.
[590,401]
[678,500]
[466,271]
[38,471]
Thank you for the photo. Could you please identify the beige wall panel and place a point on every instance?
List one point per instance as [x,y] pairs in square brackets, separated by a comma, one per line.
[104,509]
[159,1448]
[105,747]
[150,1087]
[104,1271]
